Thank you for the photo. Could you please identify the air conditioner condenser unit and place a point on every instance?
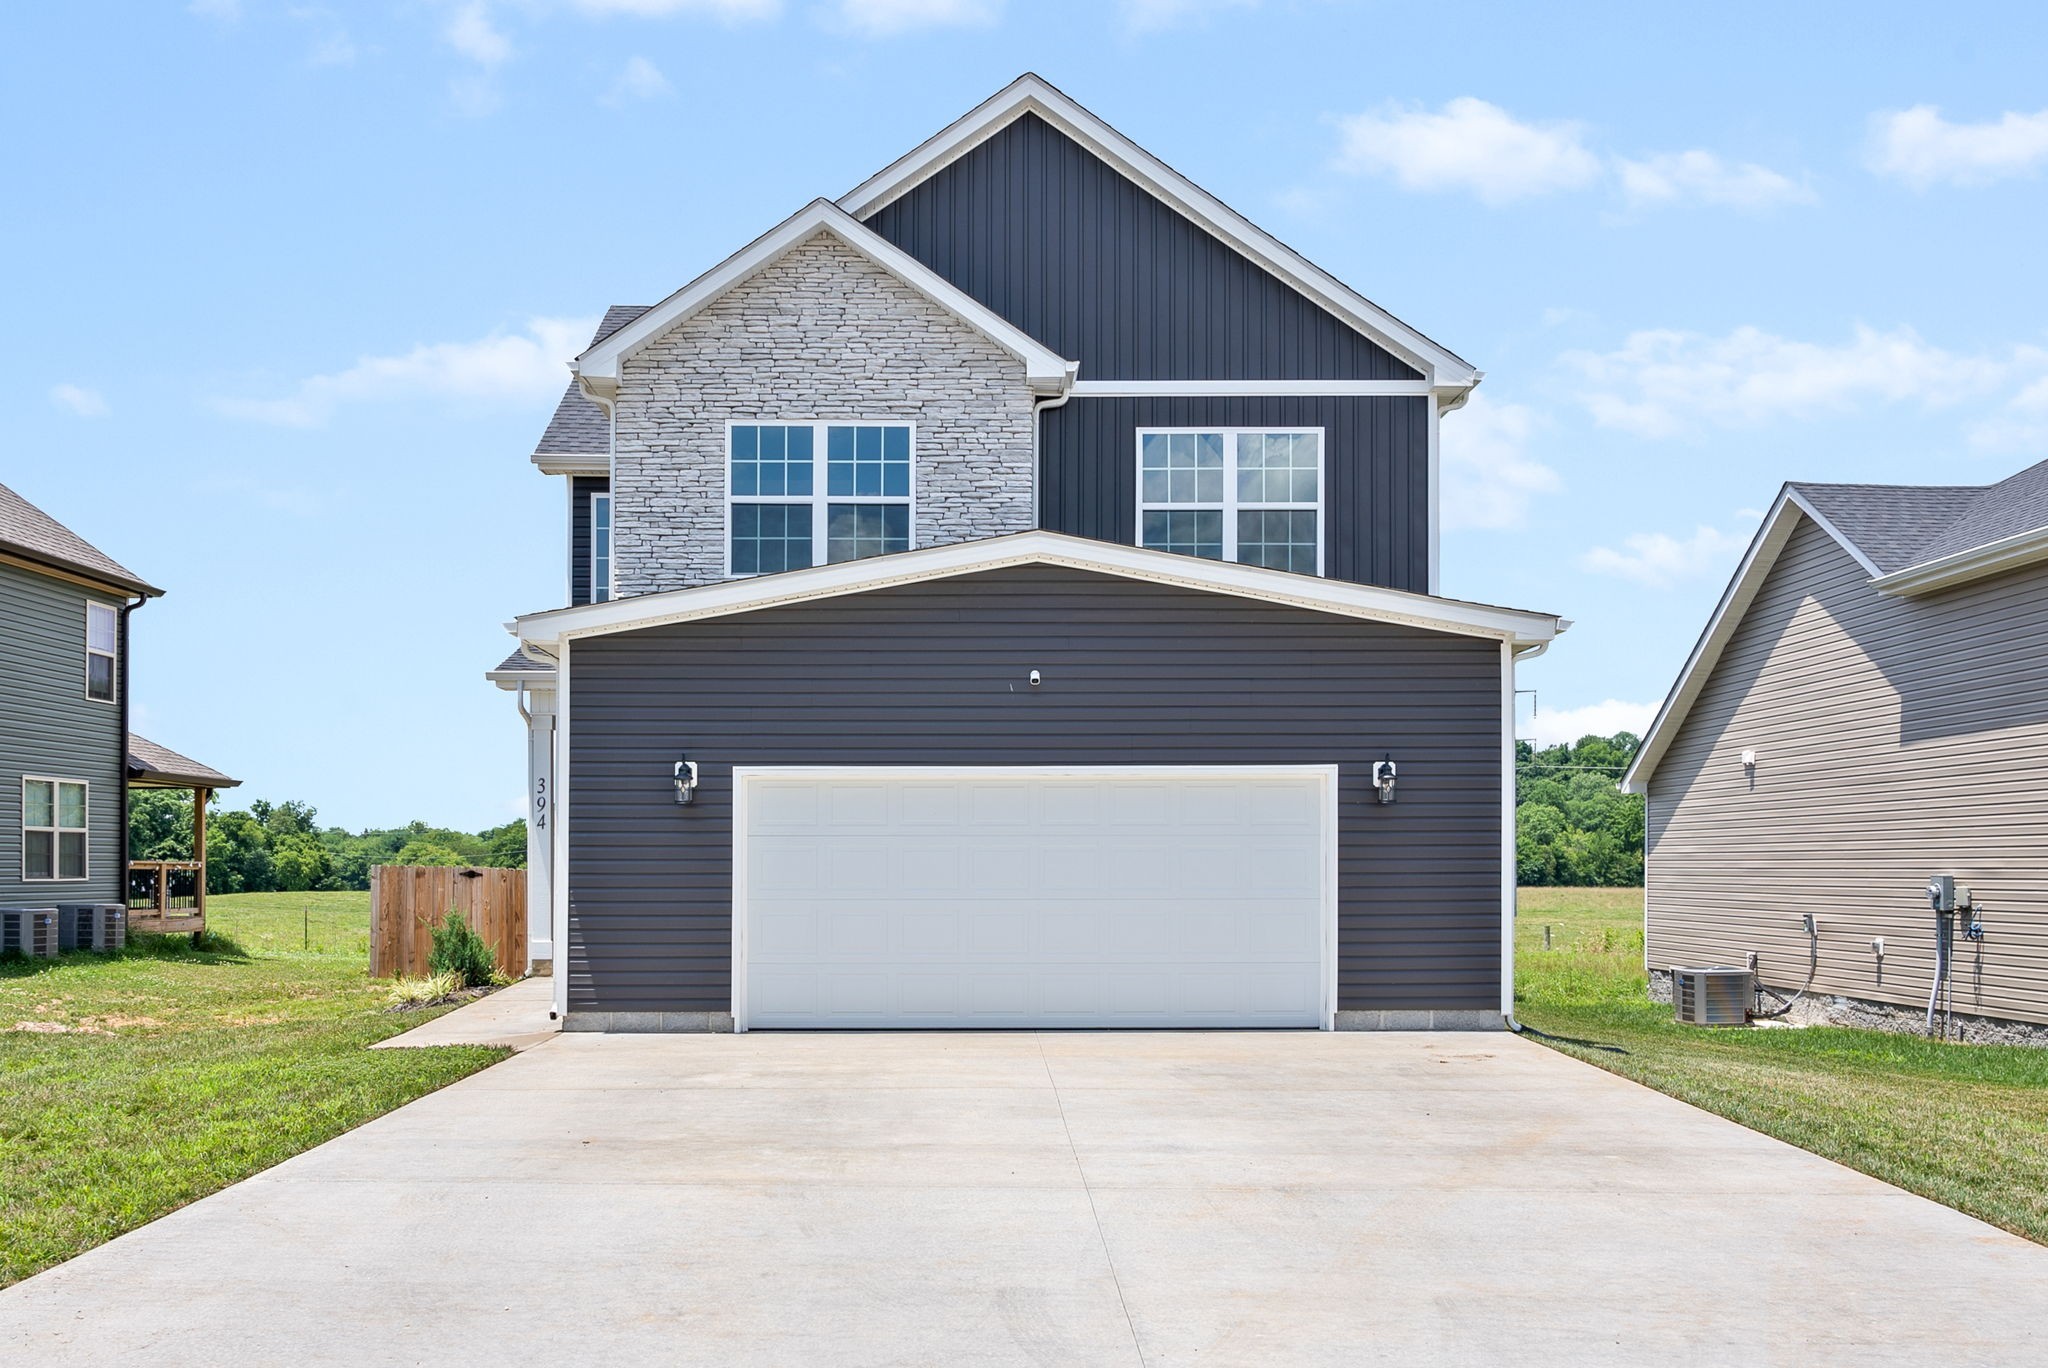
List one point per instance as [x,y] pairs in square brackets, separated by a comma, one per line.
[1717,996]
[30,931]
[92,926]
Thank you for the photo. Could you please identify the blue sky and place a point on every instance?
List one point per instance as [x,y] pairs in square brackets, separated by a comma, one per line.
[289,289]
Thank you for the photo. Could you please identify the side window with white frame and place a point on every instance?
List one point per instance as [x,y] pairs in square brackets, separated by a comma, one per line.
[600,547]
[781,511]
[53,830]
[102,652]
[1250,495]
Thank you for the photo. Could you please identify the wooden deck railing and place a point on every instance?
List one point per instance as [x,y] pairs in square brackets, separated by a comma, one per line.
[167,895]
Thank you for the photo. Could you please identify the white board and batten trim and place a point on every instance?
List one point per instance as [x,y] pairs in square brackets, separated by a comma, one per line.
[746,778]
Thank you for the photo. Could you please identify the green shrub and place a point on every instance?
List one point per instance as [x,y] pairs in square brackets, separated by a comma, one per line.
[462,952]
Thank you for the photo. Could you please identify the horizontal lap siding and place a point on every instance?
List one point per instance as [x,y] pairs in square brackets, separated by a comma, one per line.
[1050,236]
[1376,504]
[1895,738]
[937,674]
[49,727]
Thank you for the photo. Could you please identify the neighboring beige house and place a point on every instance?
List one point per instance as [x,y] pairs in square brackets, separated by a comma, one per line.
[1868,707]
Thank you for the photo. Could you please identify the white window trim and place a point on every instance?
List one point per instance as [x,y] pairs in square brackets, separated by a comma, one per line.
[611,538]
[817,498]
[113,656]
[56,809]
[1229,504]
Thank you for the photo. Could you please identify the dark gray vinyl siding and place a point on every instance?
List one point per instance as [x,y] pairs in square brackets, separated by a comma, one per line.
[1376,505]
[49,727]
[581,487]
[1134,673]
[1054,239]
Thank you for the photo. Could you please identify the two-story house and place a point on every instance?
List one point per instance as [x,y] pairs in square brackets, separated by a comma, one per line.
[67,757]
[1005,596]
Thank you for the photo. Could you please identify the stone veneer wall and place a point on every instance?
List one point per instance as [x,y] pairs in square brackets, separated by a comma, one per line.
[822,333]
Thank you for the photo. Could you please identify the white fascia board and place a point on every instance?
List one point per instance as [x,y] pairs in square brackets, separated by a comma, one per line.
[573,462]
[1033,94]
[1206,389]
[598,368]
[2008,553]
[1742,589]
[1513,625]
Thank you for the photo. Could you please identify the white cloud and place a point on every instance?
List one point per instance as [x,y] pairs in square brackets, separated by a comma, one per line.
[1921,148]
[1468,145]
[1489,479]
[880,18]
[730,10]
[1673,177]
[521,367]
[1151,16]
[1661,383]
[470,32]
[83,402]
[639,80]
[1563,726]
[1661,560]
[336,49]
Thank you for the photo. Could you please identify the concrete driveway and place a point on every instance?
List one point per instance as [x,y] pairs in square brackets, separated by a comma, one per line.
[1057,1199]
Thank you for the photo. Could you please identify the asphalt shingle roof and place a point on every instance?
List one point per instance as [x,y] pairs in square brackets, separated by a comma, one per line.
[578,426]
[1898,526]
[520,664]
[28,531]
[149,763]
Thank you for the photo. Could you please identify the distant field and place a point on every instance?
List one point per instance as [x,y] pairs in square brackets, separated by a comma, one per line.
[133,1084]
[1963,1124]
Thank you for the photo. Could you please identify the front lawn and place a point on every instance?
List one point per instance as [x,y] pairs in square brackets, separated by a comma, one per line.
[134,1084]
[1963,1124]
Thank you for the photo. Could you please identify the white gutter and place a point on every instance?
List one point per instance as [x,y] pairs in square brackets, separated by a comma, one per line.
[2007,553]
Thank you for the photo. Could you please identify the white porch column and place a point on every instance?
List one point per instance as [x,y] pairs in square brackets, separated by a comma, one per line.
[540,826]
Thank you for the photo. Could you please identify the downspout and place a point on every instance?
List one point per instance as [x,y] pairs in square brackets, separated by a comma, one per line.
[1038,407]
[1508,874]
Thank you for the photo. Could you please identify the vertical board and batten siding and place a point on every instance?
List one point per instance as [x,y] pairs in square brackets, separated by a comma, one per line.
[49,727]
[1895,738]
[937,673]
[1053,238]
[581,487]
[1376,463]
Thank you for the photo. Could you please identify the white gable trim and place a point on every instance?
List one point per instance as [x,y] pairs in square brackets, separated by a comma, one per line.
[1520,628]
[1032,94]
[598,368]
[1763,552]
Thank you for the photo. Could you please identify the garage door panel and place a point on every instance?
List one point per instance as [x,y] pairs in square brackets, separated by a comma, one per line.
[1072,900]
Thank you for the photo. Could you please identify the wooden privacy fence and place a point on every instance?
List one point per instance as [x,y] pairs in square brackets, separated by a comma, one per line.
[408,901]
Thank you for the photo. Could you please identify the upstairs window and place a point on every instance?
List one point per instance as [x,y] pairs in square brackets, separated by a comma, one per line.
[1250,495]
[782,511]
[102,651]
[600,547]
[53,828]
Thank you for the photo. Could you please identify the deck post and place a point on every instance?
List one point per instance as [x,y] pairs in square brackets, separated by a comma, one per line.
[199,797]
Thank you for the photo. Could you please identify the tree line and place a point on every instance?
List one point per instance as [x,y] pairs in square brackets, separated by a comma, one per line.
[282,848]
[1573,825]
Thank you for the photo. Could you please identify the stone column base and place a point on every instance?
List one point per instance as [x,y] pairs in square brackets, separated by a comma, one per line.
[1463,1019]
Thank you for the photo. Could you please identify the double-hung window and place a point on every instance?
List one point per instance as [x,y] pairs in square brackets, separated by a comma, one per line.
[53,827]
[600,547]
[102,651]
[1251,495]
[783,511]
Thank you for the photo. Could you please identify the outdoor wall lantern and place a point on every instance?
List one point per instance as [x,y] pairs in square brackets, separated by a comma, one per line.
[686,782]
[1383,778]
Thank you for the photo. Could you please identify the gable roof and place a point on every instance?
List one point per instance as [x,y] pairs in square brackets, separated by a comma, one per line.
[579,430]
[597,368]
[1910,539]
[1030,93]
[546,631]
[33,535]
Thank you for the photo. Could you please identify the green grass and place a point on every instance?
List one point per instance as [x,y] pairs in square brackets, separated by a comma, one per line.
[1966,1125]
[178,1071]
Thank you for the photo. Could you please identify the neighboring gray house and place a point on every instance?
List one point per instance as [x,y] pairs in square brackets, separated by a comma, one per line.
[996,599]
[67,758]
[1868,707]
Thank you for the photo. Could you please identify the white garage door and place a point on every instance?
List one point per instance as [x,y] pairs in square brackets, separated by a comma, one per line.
[1018,898]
